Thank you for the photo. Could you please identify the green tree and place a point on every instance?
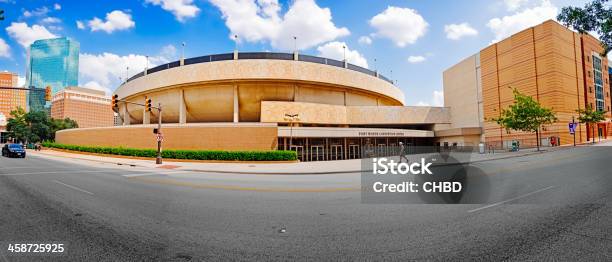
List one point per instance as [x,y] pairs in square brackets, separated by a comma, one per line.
[17,126]
[591,117]
[61,124]
[35,126]
[527,115]
[40,126]
[593,17]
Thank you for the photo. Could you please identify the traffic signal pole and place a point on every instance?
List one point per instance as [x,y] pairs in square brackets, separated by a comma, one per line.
[115,105]
[158,159]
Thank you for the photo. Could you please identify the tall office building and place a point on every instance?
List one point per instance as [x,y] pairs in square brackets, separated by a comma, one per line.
[54,63]
[561,69]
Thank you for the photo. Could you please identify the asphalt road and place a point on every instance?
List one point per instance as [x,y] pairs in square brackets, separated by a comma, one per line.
[554,206]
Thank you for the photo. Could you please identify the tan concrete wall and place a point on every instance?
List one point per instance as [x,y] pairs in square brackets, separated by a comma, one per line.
[312,113]
[461,93]
[193,136]
[468,140]
[213,102]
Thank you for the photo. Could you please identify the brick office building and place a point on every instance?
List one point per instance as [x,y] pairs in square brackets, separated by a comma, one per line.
[88,107]
[561,69]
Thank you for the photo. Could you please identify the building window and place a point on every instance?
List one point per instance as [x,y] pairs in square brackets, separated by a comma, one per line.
[590,89]
[598,79]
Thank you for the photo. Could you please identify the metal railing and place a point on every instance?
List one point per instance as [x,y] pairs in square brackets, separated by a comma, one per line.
[261,55]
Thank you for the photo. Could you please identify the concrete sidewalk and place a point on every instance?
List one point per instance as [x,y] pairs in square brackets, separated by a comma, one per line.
[301,168]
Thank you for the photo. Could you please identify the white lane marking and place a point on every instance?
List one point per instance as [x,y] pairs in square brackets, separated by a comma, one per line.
[157,173]
[73,187]
[511,199]
[145,174]
[55,172]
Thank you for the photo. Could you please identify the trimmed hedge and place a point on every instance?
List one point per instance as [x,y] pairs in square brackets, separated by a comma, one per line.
[278,155]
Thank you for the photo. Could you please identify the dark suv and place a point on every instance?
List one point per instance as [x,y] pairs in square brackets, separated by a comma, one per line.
[13,150]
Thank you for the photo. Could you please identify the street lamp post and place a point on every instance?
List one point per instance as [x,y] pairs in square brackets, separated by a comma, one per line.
[291,118]
[183,50]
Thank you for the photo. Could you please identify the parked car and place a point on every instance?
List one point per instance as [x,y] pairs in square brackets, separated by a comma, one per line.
[13,150]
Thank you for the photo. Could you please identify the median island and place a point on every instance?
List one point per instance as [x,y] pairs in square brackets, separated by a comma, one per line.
[212,155]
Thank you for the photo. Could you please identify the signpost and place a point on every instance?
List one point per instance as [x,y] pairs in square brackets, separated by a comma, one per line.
[572,129]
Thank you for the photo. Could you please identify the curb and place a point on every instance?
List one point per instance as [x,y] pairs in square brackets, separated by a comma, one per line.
[293,173]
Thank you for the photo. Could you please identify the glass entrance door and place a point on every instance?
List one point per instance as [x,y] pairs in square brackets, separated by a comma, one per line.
[317,153]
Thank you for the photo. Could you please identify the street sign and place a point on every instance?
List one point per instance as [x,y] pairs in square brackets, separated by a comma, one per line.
[572,128]
[159,137]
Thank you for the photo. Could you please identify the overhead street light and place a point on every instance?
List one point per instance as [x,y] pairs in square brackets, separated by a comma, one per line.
[291,118]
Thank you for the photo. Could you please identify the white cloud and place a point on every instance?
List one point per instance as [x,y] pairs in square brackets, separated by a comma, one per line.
[261,20]
[168,52]
[416,59]
[5,49]
[437,99]
[457,31]
[102,71]
[80,25]
[403,26]
[365,40]
[21,81]
[57,6]
[115,21]
[181,9]
[41,11]
[96,86]
[335,50]
[513,5]
[51,20]
[25,35]
[508,25]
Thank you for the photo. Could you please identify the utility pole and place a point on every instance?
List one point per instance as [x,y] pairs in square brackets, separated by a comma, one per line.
[158,160]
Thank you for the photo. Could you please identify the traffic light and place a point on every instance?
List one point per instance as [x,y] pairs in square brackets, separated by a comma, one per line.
[1,15]
[48,93]
[114,101]
[148,104]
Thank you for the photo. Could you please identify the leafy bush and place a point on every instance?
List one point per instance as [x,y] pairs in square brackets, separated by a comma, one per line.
[278,155]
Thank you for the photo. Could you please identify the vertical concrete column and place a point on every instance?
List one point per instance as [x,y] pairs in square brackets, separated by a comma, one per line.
[296,56]
[126,116]
[236,106]
[182,108]
[182,61]
[235,54]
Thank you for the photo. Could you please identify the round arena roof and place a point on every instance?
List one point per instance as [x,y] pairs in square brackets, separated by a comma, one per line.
[261,66]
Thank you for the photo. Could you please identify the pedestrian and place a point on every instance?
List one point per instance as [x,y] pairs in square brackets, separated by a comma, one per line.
[402,152]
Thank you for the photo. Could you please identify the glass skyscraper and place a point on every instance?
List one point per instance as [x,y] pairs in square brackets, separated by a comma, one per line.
[54,63]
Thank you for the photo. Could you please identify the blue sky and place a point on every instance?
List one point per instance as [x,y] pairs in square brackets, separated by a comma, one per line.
[412,41]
